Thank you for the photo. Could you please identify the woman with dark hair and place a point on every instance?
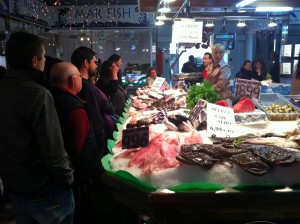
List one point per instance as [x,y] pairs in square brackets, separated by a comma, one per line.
[295,83]
[108,84]
[118,61]
[260,70]
[245,72]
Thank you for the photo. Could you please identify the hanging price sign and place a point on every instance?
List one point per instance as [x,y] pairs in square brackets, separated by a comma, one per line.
[247,88]
[135,137]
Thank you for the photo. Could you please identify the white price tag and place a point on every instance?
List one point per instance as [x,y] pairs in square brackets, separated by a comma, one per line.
[247,88]
[220,121]
[156,86]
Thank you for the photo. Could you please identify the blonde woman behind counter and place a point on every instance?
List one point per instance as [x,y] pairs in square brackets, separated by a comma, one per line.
[152,74]
[218,73]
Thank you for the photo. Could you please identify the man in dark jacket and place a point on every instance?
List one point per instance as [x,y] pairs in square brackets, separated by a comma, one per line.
[85,60]
[34,165]
[78,137]
[189,66]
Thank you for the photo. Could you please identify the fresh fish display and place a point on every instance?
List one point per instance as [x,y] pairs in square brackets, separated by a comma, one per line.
[255,159]
[275,141]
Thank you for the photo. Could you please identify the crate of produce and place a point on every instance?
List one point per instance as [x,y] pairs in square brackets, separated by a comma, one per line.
[277,107]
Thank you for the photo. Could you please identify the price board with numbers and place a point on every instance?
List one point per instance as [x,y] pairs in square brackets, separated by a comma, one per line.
[135,137]
[247,88]
[197,109]
[220,121]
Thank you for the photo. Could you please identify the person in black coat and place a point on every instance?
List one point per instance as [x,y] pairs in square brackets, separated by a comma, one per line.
[189,66]
[275,68]
[245,72]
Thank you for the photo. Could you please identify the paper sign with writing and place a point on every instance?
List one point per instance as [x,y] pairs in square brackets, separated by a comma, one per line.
[220,121]
[156,86]
[197,109]
[247,88]
[135,137]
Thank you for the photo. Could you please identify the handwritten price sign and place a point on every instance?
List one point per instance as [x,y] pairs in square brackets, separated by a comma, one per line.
[220,121]
[135,137]
[247,88]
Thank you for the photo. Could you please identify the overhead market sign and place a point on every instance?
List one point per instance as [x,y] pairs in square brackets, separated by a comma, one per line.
[187,32]
[100,16]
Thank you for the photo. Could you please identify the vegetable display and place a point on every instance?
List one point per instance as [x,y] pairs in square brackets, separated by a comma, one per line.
[205,91]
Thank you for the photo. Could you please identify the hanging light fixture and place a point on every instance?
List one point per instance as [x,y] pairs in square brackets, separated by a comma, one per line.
[209,24]
[161,16]
[164,8]
[159,23]
[272,23]
[241,23]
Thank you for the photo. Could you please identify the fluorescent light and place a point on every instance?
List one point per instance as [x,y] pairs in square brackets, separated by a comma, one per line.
[274,9]
[272,23]
[241,23]
[209,24]
[161,17]
[168,1]
[164,9]
[159,23]
[241,11]
[244,3]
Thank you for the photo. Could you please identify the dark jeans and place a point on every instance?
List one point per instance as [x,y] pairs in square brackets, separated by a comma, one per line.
[55,209]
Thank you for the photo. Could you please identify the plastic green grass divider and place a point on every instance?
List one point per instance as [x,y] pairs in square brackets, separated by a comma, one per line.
[124,114]
[126,109]
[133,181]
[106,164]
[115,135]
[122,120]
[258,187]
[110,144]
[197,187]
[119,125]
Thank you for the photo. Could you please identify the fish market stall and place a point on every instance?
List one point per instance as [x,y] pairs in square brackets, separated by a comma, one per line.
[183,174]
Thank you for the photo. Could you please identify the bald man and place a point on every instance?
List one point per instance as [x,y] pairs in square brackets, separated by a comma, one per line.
[78,137]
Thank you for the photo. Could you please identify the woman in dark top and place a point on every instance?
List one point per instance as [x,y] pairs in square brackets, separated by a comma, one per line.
[259,71]
[108,84]
[245,72]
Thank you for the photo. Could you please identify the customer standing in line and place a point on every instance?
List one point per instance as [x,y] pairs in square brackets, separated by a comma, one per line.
[118,62]
[218,73]
[85,60]
[109,85]
[34,164]
[259,71]
[78,138]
